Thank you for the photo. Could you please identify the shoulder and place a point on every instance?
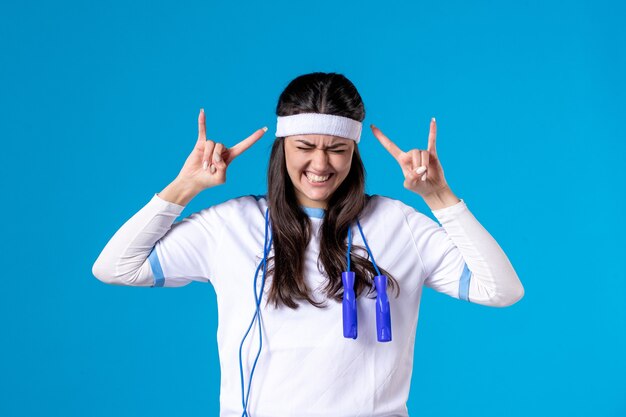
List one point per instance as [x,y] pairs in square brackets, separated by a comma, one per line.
[380,206]
[243,208]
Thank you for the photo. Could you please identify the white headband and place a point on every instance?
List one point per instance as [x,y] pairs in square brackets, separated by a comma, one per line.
[317,123]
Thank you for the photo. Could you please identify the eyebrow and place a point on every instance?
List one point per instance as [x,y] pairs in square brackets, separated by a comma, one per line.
[336,145]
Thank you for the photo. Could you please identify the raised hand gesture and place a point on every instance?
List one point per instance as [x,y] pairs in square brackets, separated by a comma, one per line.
[206,165]
[422,171]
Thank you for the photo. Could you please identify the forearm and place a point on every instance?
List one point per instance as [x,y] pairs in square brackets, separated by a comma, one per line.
[123,259]
[493,282]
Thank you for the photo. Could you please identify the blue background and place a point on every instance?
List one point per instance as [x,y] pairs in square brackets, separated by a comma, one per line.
[98,108]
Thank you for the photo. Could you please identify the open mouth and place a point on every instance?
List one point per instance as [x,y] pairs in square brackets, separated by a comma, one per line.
[317,179]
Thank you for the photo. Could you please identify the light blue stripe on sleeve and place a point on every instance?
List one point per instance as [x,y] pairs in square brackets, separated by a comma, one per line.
[157,271]
[464,283]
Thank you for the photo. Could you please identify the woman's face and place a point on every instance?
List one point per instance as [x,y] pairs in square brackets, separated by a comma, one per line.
[317,165]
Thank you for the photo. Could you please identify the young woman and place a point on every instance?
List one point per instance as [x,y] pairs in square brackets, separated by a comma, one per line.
[318,284]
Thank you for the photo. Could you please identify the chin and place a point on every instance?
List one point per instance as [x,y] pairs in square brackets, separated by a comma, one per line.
[319,198]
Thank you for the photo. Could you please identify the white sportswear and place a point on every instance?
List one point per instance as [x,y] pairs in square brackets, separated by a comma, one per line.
[307,368]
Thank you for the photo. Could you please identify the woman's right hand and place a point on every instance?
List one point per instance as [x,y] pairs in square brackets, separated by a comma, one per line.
[206,166]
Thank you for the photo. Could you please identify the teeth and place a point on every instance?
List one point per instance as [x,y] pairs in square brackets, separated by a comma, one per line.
[316,178]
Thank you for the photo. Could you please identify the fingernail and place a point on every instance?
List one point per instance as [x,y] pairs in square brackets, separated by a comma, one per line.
[265,128]
[420,170]
[434,119]
[213,169]
[201,110]
[424,177]
[204,165]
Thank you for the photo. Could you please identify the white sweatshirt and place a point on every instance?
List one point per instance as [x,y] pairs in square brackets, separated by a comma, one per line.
[307,368]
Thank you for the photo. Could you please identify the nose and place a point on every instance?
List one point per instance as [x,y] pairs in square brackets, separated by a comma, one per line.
[319,160]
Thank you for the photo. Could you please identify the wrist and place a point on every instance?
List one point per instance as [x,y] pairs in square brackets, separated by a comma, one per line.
[440,199]
[179,192]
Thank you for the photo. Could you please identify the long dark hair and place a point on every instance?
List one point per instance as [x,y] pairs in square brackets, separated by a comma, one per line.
[327,93]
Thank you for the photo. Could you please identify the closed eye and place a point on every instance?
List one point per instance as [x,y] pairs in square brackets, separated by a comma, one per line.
[330,150]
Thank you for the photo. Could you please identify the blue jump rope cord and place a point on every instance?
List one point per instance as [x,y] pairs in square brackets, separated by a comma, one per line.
[349,246]
[367,247]
[257,312]
[258,297]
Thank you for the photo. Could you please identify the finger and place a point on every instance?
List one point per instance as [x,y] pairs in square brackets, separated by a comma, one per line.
[217,156]
[432,137]
[209,145]
[239,148]
[217,152]
[415,157]
[201,126]
[418,167]
[425,160]
[391,147]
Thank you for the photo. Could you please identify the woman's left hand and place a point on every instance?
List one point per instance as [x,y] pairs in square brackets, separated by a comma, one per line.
[422,171]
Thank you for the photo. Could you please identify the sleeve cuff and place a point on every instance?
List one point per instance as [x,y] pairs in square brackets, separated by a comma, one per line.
[450,212]
[167,206]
